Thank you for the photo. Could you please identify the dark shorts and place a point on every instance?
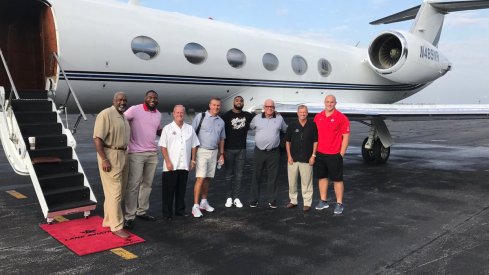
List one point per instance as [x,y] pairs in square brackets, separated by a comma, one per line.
[328,166]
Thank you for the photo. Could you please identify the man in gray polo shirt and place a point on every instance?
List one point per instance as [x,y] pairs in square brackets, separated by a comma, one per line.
[267,127]
[211,135]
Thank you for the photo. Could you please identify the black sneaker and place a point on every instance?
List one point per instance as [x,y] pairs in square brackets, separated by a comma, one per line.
[129,224]
[253,204]
[272,205]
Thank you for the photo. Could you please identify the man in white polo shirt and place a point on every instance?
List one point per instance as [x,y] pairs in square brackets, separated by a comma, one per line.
[178,144]
[145,121]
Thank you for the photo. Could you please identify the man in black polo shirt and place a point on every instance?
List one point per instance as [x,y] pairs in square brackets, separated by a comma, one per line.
[237,124]
[301,142]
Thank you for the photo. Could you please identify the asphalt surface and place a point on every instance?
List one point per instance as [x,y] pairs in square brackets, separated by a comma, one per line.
[424,212]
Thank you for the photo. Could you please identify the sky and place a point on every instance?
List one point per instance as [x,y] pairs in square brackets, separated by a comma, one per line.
[464,40]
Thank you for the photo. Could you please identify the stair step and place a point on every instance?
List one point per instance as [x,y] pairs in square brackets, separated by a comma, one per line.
[54,207]
[67,195]
[35,117]
[31,105]
[40,129]
[60,152]
[53,182]
[32,94]
[65,166]
[51,141]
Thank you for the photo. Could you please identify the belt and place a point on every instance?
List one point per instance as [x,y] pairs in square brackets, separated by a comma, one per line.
[115,147]
[267,150]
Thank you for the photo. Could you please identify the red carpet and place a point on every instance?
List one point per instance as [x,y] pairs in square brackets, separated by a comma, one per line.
[87,236]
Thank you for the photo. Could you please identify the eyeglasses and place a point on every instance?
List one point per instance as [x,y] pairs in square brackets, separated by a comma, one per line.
[270,107]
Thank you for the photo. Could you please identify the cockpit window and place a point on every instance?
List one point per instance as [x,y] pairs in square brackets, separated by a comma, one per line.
[270,61]
[236,58]
[195,53]
[324,67]
[299,65]
[145,47]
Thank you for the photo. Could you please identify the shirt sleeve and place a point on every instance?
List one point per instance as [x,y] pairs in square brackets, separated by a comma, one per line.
[195,139]
[253,123]
[223,131]
[288,134]
[130,113]
[314,132]
[284,126]
[100,129]
[195,122]
[345,126]
[163,138]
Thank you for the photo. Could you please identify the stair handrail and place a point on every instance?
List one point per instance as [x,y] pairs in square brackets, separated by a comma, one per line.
[9,103]
[70,88]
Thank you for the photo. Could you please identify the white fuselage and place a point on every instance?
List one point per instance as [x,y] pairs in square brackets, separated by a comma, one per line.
[94,40]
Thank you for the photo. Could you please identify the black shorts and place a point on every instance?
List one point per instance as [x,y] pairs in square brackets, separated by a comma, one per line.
[328,166]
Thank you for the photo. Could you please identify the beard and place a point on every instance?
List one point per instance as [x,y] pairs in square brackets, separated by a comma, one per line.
[121,108]
[239,108]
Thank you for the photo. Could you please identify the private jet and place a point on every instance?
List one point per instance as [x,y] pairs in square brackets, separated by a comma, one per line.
[73,55]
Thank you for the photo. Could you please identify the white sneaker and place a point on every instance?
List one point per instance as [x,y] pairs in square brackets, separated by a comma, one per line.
[205,206]
[229,202]
[237,203]
[196,212]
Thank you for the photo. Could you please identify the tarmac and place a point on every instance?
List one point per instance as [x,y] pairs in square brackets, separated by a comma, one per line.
[424,212]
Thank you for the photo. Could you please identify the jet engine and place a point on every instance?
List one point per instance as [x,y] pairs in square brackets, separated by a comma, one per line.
[404,58]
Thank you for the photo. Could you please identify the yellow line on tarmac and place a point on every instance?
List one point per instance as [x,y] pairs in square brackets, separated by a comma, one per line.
[126,255]
[16,194]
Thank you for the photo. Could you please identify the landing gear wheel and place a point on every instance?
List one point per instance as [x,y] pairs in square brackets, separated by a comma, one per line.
[377,155]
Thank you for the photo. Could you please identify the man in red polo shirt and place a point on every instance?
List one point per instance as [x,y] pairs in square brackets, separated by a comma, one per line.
[333,136]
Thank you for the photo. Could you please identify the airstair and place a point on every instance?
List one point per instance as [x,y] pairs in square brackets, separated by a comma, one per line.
[38,144]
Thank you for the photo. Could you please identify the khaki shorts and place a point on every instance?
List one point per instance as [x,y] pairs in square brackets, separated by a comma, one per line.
[205,163]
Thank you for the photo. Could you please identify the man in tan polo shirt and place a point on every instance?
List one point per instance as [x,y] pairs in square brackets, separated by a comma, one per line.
[111,136]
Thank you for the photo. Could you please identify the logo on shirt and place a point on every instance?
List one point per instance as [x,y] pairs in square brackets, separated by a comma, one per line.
[297,130]
[238,123]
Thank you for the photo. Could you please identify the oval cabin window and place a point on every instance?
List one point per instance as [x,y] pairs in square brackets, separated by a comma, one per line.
[299,65]
[236,58]
[195,53]
[270,61]
[145,47]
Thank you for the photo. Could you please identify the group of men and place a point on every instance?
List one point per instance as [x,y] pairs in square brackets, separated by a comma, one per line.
[127,156]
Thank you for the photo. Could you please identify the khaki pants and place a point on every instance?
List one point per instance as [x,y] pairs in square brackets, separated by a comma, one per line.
[305,171]
[142,167]
[114,184]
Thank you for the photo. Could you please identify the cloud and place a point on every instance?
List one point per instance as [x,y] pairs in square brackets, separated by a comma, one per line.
[464,19]
[282,12]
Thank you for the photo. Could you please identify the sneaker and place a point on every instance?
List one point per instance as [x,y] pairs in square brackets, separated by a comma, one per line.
[322,205]
[272,205]
[338,209]
[253,204]
[229,202]
[205,206]
[237,203]
[196,212]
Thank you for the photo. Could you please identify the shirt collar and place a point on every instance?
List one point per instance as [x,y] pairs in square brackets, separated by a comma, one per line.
[147,109]
[274,115]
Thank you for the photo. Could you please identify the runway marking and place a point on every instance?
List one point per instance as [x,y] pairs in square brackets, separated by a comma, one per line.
[126,255]
[60,219]
[16,194]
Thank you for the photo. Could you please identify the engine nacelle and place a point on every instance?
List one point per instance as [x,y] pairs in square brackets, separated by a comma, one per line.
[405,58]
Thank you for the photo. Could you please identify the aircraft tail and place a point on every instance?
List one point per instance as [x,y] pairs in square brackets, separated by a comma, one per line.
[429,17]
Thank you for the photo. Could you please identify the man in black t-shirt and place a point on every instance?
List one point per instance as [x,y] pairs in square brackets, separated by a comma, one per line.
[237,124]
[301,142]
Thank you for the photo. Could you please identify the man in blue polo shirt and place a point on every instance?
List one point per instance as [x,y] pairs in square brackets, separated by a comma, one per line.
[211,133]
